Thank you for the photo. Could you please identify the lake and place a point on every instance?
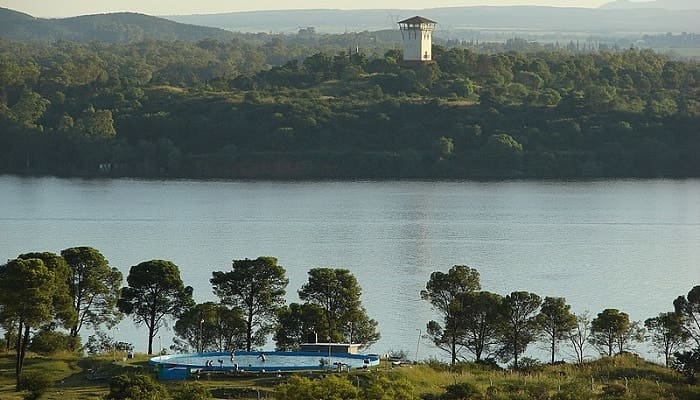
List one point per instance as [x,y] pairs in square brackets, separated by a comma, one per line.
[628,244]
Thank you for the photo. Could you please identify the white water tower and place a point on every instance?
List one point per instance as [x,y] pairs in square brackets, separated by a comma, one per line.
[417,37]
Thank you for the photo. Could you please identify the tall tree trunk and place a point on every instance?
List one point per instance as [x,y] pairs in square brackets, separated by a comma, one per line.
[331,325]
[151,330]
[22,342]
[18,349]
[553,350]
[74,335]
[150,341]
[515,349]
[78,305]
[454,350]
[25,343]
[249,332]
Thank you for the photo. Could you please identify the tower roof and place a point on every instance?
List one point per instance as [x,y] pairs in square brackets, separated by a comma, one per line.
[417,20]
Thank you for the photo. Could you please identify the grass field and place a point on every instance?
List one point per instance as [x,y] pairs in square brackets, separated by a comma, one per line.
[87,378]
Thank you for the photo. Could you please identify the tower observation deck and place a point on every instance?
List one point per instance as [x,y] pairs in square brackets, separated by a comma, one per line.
[417,35]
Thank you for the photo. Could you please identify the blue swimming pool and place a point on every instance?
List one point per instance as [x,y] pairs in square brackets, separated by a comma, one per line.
[181,366]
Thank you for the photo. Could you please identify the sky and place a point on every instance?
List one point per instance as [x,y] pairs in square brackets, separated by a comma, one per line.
[67,8]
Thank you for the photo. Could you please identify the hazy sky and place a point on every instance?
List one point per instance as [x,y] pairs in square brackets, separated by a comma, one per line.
[63,8]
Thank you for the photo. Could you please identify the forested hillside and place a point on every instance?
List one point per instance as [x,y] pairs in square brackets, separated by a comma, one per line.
[217,109]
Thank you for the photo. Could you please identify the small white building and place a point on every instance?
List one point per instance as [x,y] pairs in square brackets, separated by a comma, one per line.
[349,348]
[417,37]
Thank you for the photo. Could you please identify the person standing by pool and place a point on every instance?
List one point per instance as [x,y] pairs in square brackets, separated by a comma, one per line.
[232,356]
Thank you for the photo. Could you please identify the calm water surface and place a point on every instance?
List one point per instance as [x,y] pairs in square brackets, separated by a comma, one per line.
[632,245]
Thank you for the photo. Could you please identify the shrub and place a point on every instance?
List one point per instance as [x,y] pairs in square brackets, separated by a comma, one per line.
[36,383]
[573,391]
[493,393]
[513,387]
[614,390]
[490,364]
[688,364]
[398,354]
[462,367]
[99,343]
[462,391]
[50,342]
[191,391]
[518,396]
[566,396]
[528,364]
[685,392]
[330,388]
[538,392]
[380,388]
[135,387]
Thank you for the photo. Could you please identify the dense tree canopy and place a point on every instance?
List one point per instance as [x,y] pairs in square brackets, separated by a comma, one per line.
[337,293]
[519,325]
[210,327]
[612,330]
[556,322]
[94,287]
[257,288]
[64,313]
[297,324]
[154,293]
[666,334]
[28,288]
[479,321]
[688,309]
[445,292]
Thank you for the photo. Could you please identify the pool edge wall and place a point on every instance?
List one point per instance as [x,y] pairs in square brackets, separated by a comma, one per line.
[169,369]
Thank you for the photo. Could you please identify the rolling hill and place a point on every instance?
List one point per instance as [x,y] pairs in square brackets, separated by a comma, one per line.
[665,4]
[113,28]
[515,18]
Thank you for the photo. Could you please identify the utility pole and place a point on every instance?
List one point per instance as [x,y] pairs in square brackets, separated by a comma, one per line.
[418,344]
[201,344]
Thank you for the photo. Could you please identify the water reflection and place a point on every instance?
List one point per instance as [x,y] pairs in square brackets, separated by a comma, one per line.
[600,244]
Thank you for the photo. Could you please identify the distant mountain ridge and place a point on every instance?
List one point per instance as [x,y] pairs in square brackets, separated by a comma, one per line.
[664,4]
[133,27]
[7,15]
[563,19]
[116,27]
